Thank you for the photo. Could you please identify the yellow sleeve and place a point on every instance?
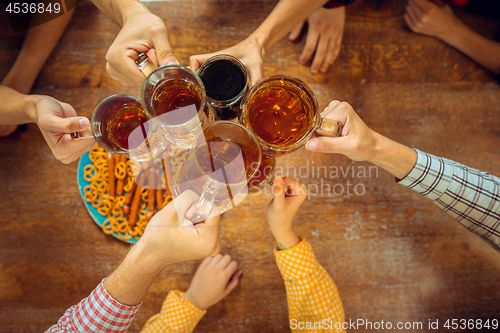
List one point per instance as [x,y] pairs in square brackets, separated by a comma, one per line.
[178,315]
[314,303]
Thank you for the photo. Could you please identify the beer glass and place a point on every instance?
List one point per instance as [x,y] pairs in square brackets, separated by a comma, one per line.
[226,81]
[282,112]
[264,175]
[120,125]
[225,157]
[175,97]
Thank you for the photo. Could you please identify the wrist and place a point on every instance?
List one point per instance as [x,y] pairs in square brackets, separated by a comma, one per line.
[134,8]
[393,157]
[30,106]
[147,259]
[190,297]
[286,238]
[454,31]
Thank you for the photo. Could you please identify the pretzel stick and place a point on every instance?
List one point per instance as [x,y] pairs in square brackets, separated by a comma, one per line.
[159,191]
[120,182]
[128,199]
[136,201]
[151,193]
[111,174]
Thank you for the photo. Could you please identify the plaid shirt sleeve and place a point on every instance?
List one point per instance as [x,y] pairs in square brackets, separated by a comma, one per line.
[99,312]
[470,196]
[338,3]
[311,294]
[177,315]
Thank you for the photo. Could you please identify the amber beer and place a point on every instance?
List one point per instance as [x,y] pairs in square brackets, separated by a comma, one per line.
[226,157]
[174,96]
[282,112]
[264,175]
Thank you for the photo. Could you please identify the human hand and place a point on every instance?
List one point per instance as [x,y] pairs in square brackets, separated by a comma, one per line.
[249,52]
[141,32]
[215,279]
[56,120]
[6,130]
[358,141]
[288,196]
[427,18]
[324,35]
[170,237]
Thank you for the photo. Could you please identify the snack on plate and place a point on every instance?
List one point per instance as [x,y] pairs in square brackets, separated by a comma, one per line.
[113,191]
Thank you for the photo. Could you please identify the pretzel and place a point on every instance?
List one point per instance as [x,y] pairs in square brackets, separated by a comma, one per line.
[110,172]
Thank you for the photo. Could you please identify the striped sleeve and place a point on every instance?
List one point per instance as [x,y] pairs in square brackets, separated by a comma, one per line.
[311,294]
[99,312]
[178,315]
[470,196]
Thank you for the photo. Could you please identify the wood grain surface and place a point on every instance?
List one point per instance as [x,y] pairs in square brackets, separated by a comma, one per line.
[393,255]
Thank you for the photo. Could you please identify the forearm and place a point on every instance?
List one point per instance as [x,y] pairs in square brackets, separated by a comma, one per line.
[132,279]
[17,108]
[120,10]
[285,238]
[393,157]
[483,50]
[312,295]
[167,320]
[286,15]
[468,195]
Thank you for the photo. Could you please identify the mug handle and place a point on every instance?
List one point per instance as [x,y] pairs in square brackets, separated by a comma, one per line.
[330,127]
[206,202]
[86,133]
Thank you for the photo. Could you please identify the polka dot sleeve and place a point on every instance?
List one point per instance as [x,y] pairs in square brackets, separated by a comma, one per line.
[177,315]
[312,295]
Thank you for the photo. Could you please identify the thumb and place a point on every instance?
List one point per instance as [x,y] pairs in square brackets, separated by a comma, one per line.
[54,123]
[255,73]
[326,145]
[295,33]
[235,279]
[196,61]
[164,53]
[278,193]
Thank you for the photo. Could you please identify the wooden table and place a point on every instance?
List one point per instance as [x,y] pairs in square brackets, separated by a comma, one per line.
[393,255]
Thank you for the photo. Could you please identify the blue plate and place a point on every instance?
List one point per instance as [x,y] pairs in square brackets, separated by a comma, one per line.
[98,218]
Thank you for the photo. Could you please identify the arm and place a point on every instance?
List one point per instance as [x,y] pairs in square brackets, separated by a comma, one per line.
[214,279]
[141,32]
[164,242]
[427,18]
[55,120]
[470,196]
[311,293]
[280,21]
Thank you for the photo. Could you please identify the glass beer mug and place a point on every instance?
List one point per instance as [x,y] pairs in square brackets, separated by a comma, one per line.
[120,125]
[175,97]
[283,113]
